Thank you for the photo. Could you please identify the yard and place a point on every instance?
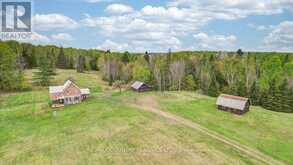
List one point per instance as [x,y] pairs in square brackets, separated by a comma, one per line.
[106,129]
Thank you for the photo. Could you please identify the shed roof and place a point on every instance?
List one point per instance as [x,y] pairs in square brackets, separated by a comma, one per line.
[137,84]
[234,102]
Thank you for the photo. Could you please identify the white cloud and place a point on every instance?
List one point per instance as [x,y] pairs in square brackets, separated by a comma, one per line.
[281,37]
[261,27]
[154,28]
[119,9]
[45,22]
[108,44]
[39,38]
[234,9]
[140,42]
[214,42]
[62,37]
[159,27]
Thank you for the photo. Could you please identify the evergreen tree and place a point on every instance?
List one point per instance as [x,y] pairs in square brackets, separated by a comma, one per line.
[147,57]
[279,101]
[290,101]
[213,89]
[240,52]
[111,80]
[45,71]
[93,63]
[61,63]
[286,59]
[70,62]
[269,98]
[285,97]
[125,57]
[255,96]
[51,58]
[189,83]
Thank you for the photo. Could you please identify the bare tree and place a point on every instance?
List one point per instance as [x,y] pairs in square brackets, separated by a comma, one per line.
[177,70]
[250,73]
[80,64]
[158,76]
[229,69]
[118,85]
[110,68]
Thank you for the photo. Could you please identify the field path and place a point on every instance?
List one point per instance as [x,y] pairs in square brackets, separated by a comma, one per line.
[149,104]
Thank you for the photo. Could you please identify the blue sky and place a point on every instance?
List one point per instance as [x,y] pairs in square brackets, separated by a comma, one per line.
[156,25]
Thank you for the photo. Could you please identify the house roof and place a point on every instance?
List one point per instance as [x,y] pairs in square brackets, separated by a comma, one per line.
[85,91]
[59,89]
[67,84]
[137,84]
[56,89]
[234,102]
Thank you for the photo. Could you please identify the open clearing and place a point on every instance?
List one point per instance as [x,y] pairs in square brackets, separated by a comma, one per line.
[266,131]
[149,104]
[106,129]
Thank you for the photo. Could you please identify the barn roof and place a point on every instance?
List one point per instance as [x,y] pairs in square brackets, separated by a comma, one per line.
[234,102]
[137,84]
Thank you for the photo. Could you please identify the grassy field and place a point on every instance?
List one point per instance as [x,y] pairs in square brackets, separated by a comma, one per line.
[267,131]
[106,130]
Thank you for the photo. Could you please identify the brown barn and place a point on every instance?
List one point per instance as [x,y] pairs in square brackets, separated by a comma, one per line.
[234,104]
[140,87]
[69,93]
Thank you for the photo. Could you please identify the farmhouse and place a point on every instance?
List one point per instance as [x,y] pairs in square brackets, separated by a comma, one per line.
[69,93]
[140,87]
[234,104]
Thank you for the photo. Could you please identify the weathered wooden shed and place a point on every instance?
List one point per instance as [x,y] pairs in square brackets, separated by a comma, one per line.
[140,87]
[233,104]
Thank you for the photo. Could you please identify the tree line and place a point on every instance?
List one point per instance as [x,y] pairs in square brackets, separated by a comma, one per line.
[16,57]
[266,78]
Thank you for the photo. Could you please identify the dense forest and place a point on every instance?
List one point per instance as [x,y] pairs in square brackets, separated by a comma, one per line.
[266,78]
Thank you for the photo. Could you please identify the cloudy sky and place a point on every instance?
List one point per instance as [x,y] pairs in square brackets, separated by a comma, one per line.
[156,25]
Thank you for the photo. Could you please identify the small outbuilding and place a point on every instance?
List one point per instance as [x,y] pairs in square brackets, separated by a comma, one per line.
[233,104]
[140,87]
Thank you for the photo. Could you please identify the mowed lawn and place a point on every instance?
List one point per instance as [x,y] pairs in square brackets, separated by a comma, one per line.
[102,130]
[269,132]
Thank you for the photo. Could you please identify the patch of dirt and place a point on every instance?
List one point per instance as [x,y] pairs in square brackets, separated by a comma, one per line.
[148,101]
